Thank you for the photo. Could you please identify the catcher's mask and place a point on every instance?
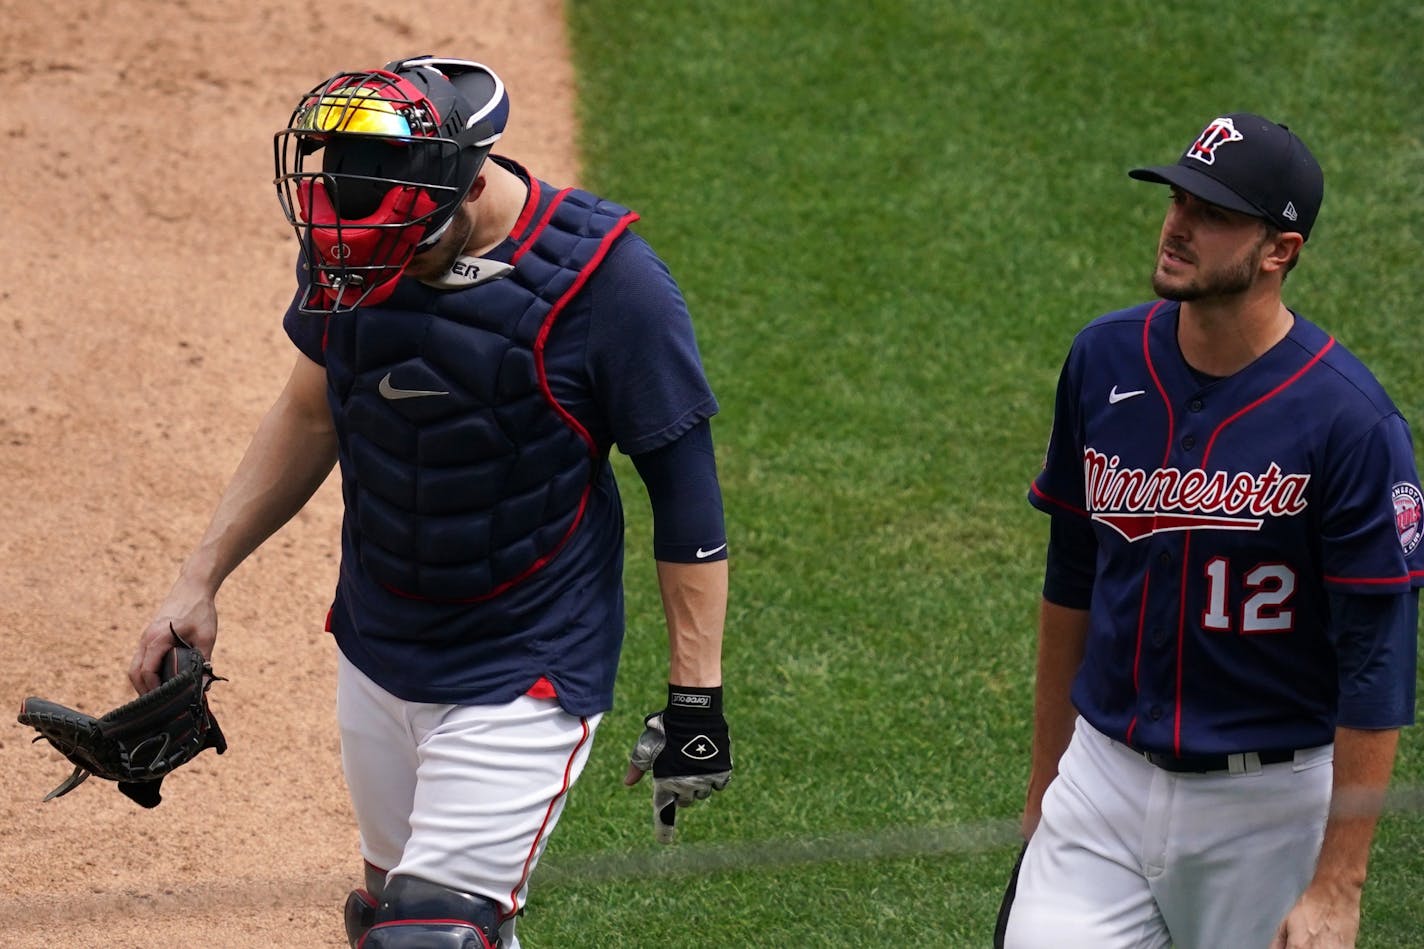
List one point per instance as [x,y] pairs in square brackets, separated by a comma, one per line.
[399,149]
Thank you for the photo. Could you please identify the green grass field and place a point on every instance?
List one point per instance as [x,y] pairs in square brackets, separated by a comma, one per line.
[889,218]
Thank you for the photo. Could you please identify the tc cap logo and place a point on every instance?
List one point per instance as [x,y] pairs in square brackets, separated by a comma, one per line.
[1218,133]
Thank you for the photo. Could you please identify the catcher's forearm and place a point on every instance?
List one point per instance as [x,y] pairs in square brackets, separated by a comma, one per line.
[290,455]
[694,599]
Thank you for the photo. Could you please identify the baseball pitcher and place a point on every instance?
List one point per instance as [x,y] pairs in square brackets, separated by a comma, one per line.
[1227,635]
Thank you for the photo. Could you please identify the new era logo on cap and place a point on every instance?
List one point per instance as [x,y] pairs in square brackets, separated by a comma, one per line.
[1249,164]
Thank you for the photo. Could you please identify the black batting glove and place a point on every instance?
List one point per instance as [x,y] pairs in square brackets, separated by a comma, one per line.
[689,751]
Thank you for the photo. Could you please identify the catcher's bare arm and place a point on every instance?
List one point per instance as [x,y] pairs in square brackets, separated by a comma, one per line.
[290,455]
[687,745]
[695,603]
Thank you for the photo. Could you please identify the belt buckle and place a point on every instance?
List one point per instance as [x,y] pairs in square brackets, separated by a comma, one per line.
[1202,764]
[1169,763]
[1248,762]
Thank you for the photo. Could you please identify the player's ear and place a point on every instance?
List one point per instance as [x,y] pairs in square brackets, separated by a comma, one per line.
[476,189]
[1282,248]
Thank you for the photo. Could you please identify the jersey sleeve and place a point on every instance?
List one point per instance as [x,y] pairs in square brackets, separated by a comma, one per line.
[1375,650]
[1070,567]
[1058,489]
[1373,521]
[642,354]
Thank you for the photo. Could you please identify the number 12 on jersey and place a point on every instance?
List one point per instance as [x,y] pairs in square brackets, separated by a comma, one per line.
[1268,588]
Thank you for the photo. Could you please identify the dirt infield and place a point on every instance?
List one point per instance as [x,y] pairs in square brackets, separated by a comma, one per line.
[145,268]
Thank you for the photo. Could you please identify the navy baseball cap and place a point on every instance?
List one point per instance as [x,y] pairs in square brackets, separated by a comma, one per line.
[1252,165]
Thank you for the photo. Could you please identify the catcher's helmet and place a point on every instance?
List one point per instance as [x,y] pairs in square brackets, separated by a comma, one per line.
[400,148]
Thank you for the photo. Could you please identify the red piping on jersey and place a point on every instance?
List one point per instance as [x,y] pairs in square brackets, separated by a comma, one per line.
[1181,642]
[1268,396]
[1141,622]
[548,815]
[526,214]
[613,234]
[528,242]
[1033,488]
[1377,581]
[1157,381]
[1166,454]
[1187,541]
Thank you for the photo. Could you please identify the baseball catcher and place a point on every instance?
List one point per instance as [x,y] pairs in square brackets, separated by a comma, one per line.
[137,744]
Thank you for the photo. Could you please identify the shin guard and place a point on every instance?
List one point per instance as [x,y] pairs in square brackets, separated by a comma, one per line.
[360,915]
[418,914]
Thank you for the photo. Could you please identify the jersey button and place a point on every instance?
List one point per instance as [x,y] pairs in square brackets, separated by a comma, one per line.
[1155,712]
[1188,441]
[1159,637]
[1196,405]
[1165,559]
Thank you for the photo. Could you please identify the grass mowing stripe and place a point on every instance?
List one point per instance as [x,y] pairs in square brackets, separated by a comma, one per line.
[889,844]
[707,858]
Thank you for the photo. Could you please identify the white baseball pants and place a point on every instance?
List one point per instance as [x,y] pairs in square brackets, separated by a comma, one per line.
[1129,856]
[461,795]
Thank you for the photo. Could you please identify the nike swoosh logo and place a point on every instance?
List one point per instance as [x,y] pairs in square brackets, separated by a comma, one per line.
[1114,397]
[391,392]
[704,554]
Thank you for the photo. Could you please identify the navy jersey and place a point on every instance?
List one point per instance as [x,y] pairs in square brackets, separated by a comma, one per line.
[622,359]
[1226,514]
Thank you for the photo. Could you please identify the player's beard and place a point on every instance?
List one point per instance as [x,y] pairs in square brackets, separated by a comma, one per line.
[436,261]
[1229,280]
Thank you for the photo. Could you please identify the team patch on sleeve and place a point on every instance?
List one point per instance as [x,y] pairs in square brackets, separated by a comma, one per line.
[1408,515]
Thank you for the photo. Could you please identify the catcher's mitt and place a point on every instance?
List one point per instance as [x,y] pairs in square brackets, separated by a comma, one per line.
[139,743]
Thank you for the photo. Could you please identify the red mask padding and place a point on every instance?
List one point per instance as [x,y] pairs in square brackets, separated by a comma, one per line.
[375,249]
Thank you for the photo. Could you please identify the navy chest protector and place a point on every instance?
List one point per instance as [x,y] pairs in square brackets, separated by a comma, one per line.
[462,474]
